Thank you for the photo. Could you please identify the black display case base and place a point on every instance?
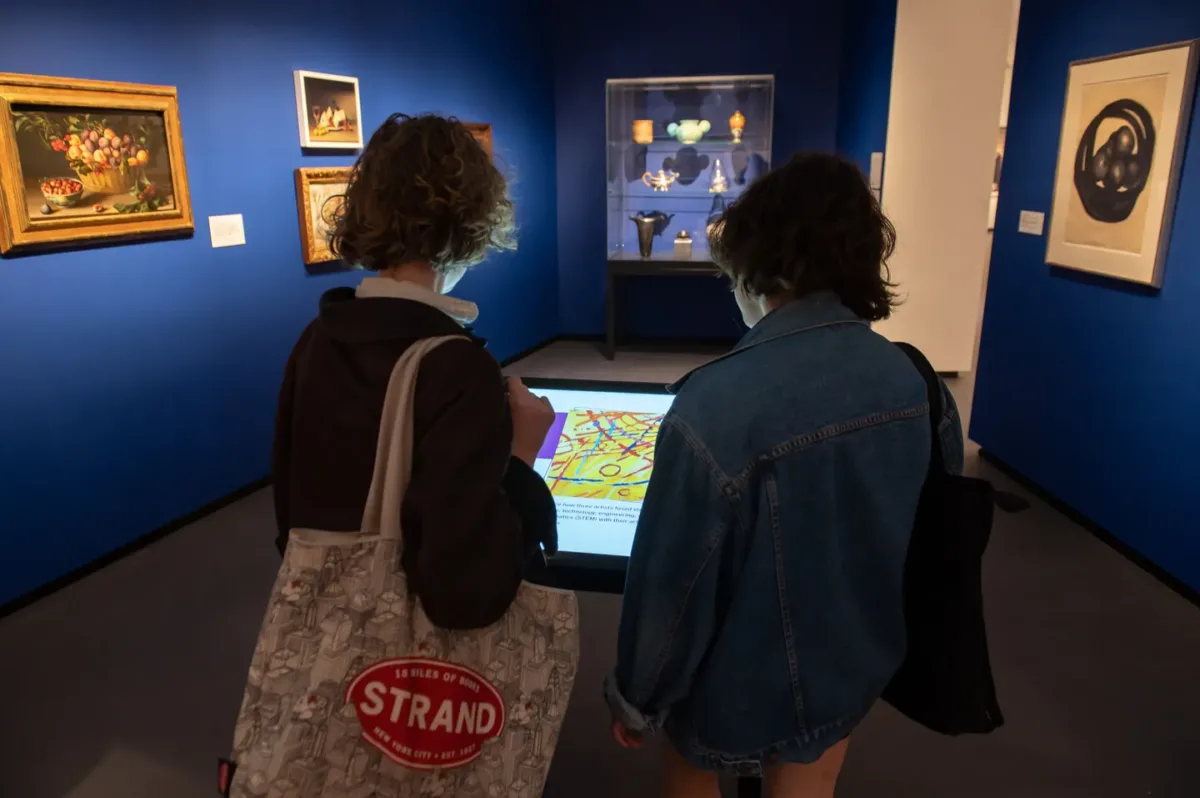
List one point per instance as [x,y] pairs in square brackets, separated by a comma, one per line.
[654,266]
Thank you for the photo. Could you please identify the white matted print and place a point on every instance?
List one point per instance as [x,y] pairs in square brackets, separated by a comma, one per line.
[1125,125]
[329,111]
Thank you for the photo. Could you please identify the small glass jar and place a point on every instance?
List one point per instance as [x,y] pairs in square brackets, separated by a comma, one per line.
[683,246]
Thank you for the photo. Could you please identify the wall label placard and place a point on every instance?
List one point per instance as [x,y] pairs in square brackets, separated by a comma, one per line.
[227,231]
[1032,223]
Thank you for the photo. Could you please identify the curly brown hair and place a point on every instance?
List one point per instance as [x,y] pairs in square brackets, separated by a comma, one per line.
[811,225]
[424,190]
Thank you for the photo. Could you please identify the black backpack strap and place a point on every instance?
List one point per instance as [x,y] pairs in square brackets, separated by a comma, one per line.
[1008,502]
[933,392]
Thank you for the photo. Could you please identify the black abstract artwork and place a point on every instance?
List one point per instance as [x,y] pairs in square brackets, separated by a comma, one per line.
[1110,177]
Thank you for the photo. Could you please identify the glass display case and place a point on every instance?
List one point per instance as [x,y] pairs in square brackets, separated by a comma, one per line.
[680,150]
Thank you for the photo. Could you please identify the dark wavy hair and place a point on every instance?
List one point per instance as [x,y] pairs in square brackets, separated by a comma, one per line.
[811,225]
[424,190]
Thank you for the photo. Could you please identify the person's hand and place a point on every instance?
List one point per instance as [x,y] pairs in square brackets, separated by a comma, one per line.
[624,737]
[531,420]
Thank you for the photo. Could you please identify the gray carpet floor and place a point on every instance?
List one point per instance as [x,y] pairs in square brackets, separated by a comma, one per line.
[126,683]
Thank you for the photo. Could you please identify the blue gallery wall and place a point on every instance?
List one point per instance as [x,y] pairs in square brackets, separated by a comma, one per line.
[139,382]
[865,81]
[1091,387]
[797,42]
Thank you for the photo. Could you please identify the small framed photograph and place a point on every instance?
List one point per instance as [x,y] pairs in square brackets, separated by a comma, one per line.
[329,111]
[87,160]
[1124,129]
[482,131]
[319,197]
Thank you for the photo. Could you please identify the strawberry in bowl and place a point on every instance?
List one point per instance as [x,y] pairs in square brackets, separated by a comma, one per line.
[62,192]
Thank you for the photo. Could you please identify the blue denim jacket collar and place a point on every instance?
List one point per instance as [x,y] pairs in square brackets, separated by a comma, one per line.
[821,309]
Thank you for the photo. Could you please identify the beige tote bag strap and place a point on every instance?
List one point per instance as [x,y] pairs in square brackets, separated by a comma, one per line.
[393,452]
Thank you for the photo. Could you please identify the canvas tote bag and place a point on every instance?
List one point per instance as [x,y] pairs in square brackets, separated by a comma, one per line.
[353,693]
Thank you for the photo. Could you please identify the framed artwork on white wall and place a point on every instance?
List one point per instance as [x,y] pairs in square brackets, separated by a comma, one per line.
[1124,130]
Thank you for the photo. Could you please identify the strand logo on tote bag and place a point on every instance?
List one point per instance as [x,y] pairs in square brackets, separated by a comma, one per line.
[426,714]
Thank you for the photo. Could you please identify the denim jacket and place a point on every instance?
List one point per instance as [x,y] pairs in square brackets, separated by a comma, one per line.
[762,614]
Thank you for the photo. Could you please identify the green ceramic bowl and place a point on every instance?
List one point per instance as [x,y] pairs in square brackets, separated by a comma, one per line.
[59,199]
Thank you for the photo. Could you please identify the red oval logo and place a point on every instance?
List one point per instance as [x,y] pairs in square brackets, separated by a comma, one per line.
[425,713]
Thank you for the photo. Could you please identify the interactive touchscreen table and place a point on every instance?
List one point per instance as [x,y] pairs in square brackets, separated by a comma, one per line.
[597,460]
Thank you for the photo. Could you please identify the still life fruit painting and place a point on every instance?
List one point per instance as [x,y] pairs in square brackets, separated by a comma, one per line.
[92,163]
[83,159]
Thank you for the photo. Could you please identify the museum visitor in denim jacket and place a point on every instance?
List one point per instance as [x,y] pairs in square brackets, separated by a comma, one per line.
[762,615]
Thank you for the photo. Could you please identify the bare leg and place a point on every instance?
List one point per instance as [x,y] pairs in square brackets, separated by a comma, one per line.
[685,781]
[815,780]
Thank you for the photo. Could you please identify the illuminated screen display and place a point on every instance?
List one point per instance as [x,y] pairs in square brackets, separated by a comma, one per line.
[597,461]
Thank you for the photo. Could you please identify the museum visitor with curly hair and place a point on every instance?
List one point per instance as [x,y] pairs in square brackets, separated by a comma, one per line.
[425,203]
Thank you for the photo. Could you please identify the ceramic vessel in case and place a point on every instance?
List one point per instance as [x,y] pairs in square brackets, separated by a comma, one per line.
[737,123]
[661,180]
[643,131]
[689,131]
[647,225]
[683,245]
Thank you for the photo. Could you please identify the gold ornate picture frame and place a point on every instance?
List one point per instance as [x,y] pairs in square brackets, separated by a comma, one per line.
[319,196]
[88,161]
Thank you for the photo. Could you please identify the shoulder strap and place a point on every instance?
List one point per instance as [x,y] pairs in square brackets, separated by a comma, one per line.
[933,391]
[393,451]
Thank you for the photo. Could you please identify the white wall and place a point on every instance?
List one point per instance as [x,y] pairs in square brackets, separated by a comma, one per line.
[947,86]
[1009,60]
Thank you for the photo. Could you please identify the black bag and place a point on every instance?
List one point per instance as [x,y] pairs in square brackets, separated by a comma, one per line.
[945,682]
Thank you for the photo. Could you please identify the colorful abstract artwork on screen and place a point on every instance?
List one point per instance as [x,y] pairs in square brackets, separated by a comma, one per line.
[602,454]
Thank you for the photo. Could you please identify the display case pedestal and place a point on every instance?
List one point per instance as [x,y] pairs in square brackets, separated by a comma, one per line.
[644,267]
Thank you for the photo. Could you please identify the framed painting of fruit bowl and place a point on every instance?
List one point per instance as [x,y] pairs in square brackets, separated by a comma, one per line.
[84,160]
[328,110]
[1120,160]
[319,196]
